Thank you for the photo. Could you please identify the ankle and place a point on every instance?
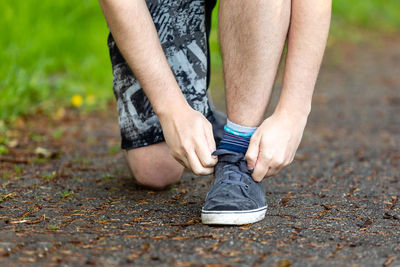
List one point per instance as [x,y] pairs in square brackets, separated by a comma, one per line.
[236,137]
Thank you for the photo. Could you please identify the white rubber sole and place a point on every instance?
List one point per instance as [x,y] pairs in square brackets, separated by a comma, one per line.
[233,217]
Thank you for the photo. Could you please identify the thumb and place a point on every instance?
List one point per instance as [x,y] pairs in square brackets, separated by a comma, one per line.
[210,138]
[252,152]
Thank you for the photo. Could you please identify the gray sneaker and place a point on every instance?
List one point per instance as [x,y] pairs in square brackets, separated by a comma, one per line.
[235,198]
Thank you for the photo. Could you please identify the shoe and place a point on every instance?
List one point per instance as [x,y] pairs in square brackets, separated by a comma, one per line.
[235,198]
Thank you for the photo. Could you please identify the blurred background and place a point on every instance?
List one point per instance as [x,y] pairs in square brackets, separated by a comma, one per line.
[68,198]
[54,55]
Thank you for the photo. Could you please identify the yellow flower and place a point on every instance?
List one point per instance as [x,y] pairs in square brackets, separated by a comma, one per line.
[77,100]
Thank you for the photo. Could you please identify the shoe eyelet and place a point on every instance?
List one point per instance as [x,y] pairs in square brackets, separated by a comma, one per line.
[247,186]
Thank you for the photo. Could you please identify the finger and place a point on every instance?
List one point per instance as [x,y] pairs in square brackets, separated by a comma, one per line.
[205,157]
[272,172]
[277,166]
[260,170]
[182,160]
[274,166]
[278,169]
[196,166]
[253,152]
[263,165]
[210,137]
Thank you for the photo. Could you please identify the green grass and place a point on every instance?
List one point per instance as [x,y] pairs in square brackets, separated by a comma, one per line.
[354,20]
[380,15]
[347,17]
[67,194]
[51,50]
[49,176]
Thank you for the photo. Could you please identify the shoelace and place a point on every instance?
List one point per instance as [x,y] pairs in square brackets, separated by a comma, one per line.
[234,176]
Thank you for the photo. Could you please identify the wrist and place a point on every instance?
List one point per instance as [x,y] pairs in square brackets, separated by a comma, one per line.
[298,114]
[169,105]
[296,109]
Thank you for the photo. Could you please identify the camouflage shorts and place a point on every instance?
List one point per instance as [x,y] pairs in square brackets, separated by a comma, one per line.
[183,27]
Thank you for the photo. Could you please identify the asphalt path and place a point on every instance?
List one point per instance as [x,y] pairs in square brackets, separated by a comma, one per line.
[336,205]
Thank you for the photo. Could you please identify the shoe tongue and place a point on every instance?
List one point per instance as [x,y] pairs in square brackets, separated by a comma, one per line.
[235,158]
[228,156]
[221,152]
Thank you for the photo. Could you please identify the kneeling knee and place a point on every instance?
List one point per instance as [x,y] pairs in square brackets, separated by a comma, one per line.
[157,179]
[153,166]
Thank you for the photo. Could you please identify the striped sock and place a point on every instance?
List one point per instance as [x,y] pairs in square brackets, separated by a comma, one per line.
[236,137]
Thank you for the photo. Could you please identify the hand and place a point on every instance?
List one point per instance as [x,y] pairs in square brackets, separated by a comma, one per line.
[274,144]
[189,136]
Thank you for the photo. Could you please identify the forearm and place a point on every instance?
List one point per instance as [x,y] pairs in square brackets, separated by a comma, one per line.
[306,44]
[135,34]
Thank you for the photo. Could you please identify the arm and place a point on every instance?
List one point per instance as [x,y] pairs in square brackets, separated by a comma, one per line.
[186,131]
[274,144]
[134,32]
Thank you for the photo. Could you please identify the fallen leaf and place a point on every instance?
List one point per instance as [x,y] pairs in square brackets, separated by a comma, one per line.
[388,261]
[13,143]
[284,263]
[45,153]
[284,200]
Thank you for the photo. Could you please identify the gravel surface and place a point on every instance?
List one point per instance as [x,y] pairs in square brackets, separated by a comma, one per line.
[336,205]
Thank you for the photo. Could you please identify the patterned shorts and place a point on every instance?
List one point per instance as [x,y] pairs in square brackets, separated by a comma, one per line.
[183,27]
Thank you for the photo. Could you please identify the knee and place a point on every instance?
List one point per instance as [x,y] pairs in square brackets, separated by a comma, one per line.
[154,167]
[158,179]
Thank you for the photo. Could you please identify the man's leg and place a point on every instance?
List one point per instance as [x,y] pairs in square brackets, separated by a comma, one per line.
[273,145]
[153,166]
[252,36]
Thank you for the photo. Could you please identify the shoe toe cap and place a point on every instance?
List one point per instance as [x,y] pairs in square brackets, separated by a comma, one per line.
[223,204]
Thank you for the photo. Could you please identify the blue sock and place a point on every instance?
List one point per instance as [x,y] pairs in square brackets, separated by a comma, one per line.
[236,137]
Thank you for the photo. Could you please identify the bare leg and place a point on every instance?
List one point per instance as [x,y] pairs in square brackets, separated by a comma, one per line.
[252,36]
[153,166]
